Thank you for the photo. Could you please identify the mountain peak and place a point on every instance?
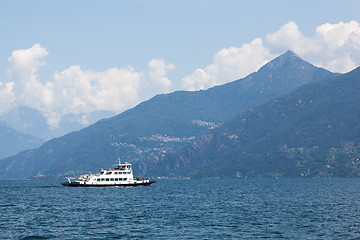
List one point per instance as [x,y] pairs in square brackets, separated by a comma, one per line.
[289,59]
[285,137]
[290,54]
[291,63]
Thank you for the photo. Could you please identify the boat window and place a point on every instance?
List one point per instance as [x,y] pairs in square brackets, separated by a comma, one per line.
[108,173]
[101,172]
[116,179]
[115,173]
[103,179]
[111,179]
[98,179]
[107,179]
[125,179]
[120,172]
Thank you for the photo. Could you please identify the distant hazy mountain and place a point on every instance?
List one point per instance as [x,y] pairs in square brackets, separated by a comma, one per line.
[27,120]
[31,121]
[13,141]
[314,131]
[165,124]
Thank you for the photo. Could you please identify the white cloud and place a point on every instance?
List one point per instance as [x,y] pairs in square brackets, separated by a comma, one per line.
[229,64]
[157,70]
[74,90]
[7,96]
[337,35]
[85,91]
[81,92]
[23,72]
[335,47]
[289,37]
[28,60]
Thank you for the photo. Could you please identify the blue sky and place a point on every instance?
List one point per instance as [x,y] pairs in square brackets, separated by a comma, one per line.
[80,56]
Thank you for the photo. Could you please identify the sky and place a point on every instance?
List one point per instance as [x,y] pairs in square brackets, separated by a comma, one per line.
[76,57]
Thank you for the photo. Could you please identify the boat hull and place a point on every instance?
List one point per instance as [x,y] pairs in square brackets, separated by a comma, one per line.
[75,184]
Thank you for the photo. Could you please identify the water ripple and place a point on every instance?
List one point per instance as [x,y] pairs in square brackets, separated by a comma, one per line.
[183,209]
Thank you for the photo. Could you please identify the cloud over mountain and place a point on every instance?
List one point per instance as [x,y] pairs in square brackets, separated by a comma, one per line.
[228,64]
[80,91]
[157,70]
[24,87]
[75,90]
[333,46]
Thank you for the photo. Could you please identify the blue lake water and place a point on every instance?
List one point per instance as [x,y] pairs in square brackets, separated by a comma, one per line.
[183,209]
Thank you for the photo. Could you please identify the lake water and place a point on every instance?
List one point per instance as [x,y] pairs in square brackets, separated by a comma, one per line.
[183,209]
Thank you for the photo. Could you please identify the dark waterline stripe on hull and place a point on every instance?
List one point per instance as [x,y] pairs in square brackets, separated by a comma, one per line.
[106,185]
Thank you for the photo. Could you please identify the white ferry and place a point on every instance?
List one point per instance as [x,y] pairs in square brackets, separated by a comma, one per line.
[122,176]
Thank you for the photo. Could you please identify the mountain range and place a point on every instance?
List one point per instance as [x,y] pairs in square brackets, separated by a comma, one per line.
[311,132]
[31,121]
[157,130]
